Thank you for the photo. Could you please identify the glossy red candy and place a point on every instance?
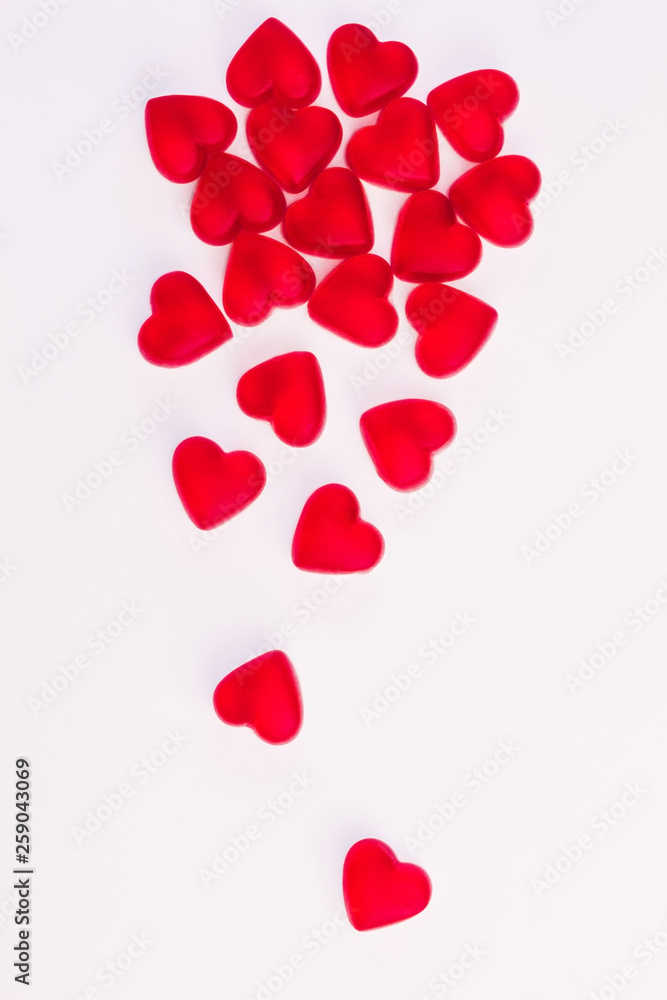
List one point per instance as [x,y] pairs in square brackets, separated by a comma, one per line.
[288,391]
[234,195]
[402,436]
[378,889]
[330,536]
[273,65]
[452,327]
[400,151]
[430,244]
[469,110]
[293,146]
[366,74]
[215,485]
[182,131]
[184,325]
[352,301]
[492,198]
[333,220]
[263,274]
[263,694]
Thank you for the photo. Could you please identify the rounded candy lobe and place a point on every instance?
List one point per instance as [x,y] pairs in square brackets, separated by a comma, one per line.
[367,74]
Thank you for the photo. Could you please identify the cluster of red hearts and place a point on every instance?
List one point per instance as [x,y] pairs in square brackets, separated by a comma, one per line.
[437,239]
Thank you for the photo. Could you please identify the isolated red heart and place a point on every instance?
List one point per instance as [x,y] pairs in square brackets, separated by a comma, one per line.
[469,110]
[402,436]
[400,151]
[273,65]
[263,694]
[182,131]
[293,146]
[330,537]
[184,325]
[378,889]
[333,220]
[452,327]
[429,244]
[288,391]
[352,301]
[262,274]
[366,74]
[234,195]
[492,198]
[215,485]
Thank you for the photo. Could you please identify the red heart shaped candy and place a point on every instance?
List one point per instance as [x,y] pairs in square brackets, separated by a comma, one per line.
[400,151]
[378,889]
[469,110]
[293,146]
[184,325]
[366,74]
[452,327]
[288,391]
[262,274]
[330,537]
[429,244]
[352,301]
[273,65]
[263,694]
[181,132]
[333,220]
[492,198]
[215,485]
[234,195]
[401,437]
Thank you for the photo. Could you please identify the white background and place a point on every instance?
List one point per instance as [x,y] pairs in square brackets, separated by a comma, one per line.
[207,608]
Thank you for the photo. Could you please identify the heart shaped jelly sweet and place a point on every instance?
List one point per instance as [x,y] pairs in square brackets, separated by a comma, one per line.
[215,485]
[263,274]
[182,131]
[263,694]
[469,111]
[366,74]
[330,537]
[273,65]
[401,437]
[333,219]
[400,151]
[234,195]
[184,325]
[492,198]
[288,391]
[452,327]
[430,244]
[293,146]
[352,301]
[378,889]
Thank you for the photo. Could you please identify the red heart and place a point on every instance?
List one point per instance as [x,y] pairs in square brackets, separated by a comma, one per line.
[273,65]
[215,485]
[366,74]
[330,537]
[182,130]
[401,437]
[288,391]
[468,111]
[452,327]
[293,146]
[262,274]
[184,325]
[333,220]
[378,889]
[234,195]
[429,244]
[352,301]
[400,151]
[492,198]
[264,695]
